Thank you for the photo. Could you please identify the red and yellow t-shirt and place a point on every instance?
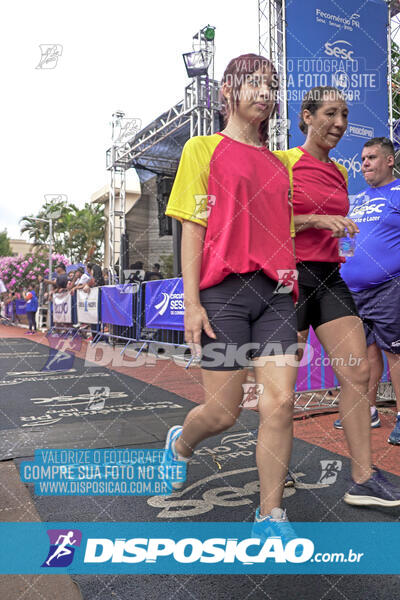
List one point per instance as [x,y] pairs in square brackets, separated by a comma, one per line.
[240,193]
[318,188]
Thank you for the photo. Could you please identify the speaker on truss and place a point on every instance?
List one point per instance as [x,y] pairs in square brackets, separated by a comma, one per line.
[124,252]
[164,187]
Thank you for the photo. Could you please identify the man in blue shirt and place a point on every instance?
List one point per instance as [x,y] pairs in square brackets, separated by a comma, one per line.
[373,273]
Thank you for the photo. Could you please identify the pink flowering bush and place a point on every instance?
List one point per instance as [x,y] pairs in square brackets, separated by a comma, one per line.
[23,270]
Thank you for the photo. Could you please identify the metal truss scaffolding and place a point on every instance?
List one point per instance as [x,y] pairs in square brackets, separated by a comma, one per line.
[157,147]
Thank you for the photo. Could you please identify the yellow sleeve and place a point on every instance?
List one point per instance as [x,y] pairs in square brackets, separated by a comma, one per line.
[282,156]
[189,200]
[343,171]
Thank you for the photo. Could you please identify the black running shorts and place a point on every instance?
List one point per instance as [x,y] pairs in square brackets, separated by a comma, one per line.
[323,295]
[249,319]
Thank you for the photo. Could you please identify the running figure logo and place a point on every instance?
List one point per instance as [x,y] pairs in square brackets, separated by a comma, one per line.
[287,279]
[330,470]
[251,394]
[203,205]
[62,547]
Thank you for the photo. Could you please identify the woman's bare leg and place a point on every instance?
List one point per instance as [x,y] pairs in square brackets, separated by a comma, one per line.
[344,341]
[275,433]
[224,394]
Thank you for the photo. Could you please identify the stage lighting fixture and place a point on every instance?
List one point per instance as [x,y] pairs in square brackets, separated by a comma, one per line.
[209,33]
[196,63]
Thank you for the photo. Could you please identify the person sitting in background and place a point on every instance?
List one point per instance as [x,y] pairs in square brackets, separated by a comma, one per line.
[31,308]
[106,277]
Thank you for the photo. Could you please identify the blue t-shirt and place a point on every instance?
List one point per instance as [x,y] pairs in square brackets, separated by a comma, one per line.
[376,258]
[32,304]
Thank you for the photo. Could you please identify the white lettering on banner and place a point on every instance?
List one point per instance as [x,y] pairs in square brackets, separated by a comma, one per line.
[352,165]
[87,306]
[339,49]
[362,131]
[62,308]
[338,21]
[174,301]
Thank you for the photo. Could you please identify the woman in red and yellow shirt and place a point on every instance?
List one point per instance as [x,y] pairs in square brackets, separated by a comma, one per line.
[232,196]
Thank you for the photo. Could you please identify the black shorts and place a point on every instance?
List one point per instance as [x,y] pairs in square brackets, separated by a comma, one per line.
[249,320]
[323,295]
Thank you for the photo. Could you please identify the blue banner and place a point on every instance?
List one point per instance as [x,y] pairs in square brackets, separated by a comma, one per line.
[164,304]
[20,307]
[194,548]
[116,304]
[343,45]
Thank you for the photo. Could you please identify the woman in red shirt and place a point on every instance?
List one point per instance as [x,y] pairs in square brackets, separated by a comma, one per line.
[232,196]
[320,205]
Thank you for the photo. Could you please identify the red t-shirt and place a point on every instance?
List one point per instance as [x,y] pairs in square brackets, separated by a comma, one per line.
[318,188]
[248,214]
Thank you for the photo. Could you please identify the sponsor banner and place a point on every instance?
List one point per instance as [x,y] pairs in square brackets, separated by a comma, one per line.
[195,548]
[164,304]
[62,308]
[9,310]
[116,304]
[88,306]
[343,45]
[315,371]
[20,307]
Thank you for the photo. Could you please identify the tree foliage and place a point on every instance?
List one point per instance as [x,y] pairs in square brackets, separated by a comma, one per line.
[78,233]
[5,248]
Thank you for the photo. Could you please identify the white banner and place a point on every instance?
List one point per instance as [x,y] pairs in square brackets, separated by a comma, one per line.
[88,304]
[62,308]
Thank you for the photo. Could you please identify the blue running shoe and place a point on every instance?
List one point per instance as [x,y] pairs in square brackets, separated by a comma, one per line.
[375,421]
[377,491]
[171,457]
[274,525]
[394,437]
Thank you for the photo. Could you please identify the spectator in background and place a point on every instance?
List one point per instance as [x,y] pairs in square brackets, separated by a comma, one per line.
[157,270]
[96,274]
[60,282]
[106,277]
[31,308]
[81,280]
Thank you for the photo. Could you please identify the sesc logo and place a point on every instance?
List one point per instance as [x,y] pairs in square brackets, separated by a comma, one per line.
[367,208]
[191,550]
[339,49]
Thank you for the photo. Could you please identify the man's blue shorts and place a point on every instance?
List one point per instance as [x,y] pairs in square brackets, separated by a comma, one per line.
[379,308]
[250,319]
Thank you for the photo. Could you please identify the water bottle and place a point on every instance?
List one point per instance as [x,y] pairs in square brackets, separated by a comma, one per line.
[347,246]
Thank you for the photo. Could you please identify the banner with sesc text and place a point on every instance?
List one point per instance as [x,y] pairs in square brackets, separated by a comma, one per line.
[195,548]
[344,45]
